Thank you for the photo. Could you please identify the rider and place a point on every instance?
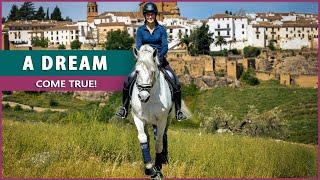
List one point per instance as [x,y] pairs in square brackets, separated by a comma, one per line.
[155,35]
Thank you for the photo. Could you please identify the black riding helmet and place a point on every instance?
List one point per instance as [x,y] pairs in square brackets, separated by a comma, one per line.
[150,7]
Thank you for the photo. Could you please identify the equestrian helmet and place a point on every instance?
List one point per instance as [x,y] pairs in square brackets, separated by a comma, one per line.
[150,7]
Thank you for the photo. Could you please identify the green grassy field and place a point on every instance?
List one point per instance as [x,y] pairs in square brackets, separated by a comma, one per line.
[83,142]
[298,106]
[95,149]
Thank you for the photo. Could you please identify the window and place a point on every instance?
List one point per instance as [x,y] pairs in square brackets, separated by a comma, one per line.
[294,35]
[278,37]
[302,35]
[257,36]
[218,33]
[228,33]
[294,28]
[287,35]
[242,32]
[218,25]
[227,25]
[286,29]
[299,35]
[242,26]
[171,30]
[272,36]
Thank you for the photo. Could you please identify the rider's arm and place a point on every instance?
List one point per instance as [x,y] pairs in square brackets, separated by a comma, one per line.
[164,43]
[139,38]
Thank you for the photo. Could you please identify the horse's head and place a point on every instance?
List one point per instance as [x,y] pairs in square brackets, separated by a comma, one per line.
[146,70]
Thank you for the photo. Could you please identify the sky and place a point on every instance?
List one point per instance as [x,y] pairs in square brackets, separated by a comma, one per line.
[197,10]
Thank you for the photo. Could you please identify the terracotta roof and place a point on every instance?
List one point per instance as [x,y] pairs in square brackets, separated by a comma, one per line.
[216,16]
[118,13]
[64,28]
[174,27]
[112,24]
[286,24]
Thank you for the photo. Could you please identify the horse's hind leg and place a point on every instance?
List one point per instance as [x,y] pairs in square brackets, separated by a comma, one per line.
[149,169]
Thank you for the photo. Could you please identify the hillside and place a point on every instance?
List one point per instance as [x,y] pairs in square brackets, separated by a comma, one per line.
[95,149]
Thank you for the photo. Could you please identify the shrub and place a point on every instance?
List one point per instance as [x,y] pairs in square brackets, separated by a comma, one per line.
[62,46]
[249,77]
[17,108]
[53,103]
[234,52]
[224,53]
[250,51]
[40,42]
[218,119]
[76,44]
[271,45]
[7,92]
[190,90]
[220,73]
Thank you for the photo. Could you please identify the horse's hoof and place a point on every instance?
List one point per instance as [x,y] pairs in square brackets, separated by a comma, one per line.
[150,172]
[157,176]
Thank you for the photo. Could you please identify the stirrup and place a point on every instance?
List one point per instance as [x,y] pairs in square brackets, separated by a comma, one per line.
[122,113]
[180,116]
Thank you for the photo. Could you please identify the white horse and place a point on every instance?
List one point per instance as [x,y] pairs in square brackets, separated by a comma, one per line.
[151,103]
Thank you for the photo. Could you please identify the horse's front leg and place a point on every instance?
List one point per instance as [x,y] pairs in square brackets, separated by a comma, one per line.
[142,136]
[161,156]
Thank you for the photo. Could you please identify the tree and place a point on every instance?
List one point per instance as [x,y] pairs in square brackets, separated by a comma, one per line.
[220,41]
[40,15]
[14,13]
[56,14]
[47,15]
[27,11]
[200,40]
[185,40]
[226,12]
[68,19]
[250,51]
[271,45]
[62,46]
[3,20]
[76,44]
[40,42]
[118,40]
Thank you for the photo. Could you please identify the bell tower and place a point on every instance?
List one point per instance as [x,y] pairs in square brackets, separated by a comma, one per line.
[92,11]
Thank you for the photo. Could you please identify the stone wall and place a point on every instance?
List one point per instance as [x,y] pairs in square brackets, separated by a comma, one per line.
[307,81]
[265,76]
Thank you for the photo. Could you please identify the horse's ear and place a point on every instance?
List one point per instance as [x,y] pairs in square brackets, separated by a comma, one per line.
[155,57]
[136,53]
[155,53]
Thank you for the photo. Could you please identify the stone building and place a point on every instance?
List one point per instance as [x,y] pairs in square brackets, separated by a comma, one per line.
[166,9]
[92,11]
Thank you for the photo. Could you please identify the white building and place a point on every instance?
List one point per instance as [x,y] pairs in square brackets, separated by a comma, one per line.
[232,28]
[62,35]
[287,35]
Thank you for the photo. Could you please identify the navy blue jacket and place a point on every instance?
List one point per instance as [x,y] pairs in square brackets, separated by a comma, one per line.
[158,40]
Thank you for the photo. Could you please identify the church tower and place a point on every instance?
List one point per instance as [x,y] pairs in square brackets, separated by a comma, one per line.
[92,11]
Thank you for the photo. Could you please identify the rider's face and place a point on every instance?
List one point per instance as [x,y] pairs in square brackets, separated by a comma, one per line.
[150,17]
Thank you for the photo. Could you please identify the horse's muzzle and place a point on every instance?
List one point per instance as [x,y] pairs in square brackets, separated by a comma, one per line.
[144,96]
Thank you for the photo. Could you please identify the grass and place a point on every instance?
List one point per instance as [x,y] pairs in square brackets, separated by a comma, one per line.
[298,105]
[96,149]
[47,100]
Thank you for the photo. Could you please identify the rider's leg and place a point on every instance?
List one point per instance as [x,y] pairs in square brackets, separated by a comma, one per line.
[123,111]
[173,79]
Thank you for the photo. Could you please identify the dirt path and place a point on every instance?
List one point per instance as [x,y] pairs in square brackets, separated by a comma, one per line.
[36,109]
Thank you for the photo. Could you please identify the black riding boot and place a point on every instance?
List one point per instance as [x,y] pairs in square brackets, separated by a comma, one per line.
[174,81]
[177,101]
[123,111]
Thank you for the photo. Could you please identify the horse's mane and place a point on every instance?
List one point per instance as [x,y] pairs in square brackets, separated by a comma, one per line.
[147,50]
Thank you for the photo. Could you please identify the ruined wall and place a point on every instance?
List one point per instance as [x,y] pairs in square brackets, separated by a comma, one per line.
[265,76]
[307,81]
